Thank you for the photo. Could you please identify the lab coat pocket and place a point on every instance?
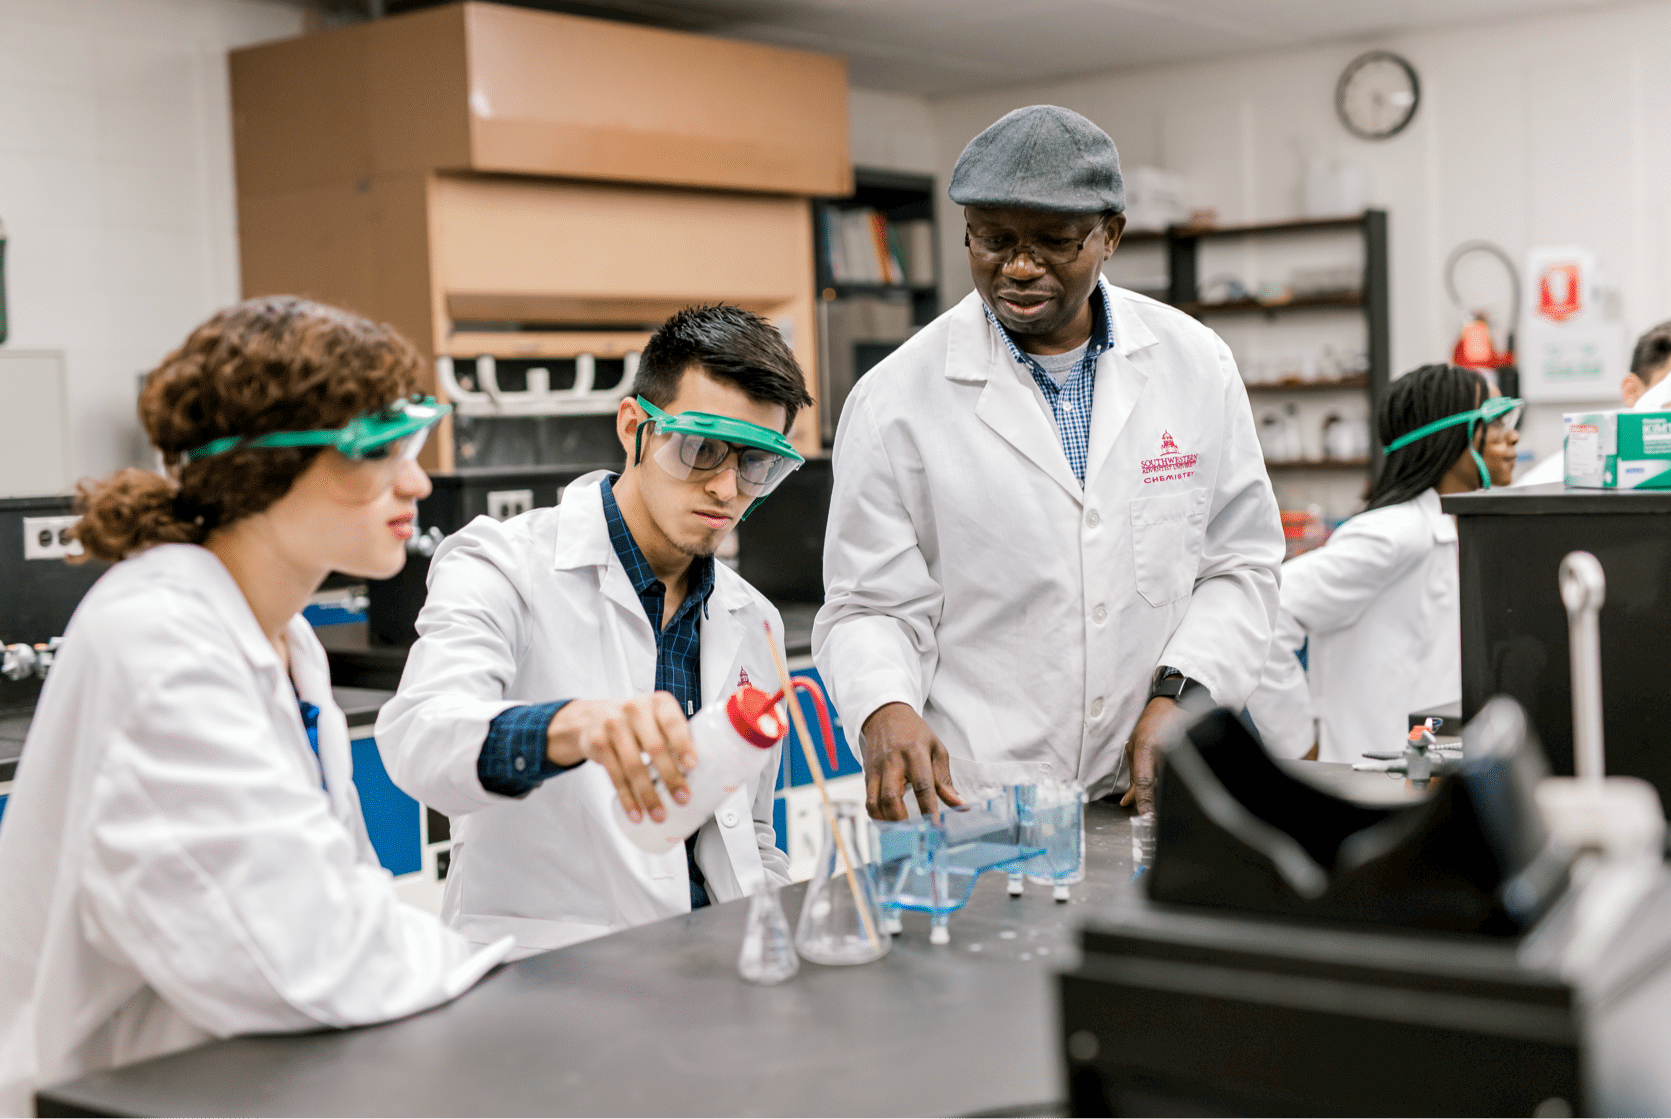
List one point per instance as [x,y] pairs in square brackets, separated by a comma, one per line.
[1166,533]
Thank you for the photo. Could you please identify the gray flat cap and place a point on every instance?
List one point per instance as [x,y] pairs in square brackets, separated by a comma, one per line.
[1043,157]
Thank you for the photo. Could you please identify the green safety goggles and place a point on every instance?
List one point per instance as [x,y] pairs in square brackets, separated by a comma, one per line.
[395,432]
[1496,409]
[700,443]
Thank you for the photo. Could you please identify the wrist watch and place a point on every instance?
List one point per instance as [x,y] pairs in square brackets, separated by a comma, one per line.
[1171,683]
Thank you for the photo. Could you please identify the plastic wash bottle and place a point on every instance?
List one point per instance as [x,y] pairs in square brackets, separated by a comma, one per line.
[733,741]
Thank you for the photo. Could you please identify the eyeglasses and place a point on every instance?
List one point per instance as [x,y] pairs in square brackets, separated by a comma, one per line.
[1046,250]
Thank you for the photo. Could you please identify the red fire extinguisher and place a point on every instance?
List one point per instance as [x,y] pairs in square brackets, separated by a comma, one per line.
[1475,348]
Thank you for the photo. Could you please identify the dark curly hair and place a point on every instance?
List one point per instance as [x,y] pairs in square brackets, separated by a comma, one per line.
[277,363]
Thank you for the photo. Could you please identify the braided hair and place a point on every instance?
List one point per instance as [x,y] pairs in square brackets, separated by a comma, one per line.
[1421,396]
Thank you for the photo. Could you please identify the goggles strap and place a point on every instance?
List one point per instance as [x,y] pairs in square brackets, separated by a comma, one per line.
[1425,430]
[1485,475]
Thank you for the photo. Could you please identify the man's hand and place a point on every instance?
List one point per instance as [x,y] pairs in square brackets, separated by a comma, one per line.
[618,734]
[899,749]
[1155,727]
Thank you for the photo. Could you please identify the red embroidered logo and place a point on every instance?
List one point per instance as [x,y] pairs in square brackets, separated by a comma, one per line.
[742,678]
[1172,465]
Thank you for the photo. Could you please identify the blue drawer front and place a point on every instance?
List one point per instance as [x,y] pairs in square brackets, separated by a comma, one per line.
[330,616]
[391,816]
[793,771]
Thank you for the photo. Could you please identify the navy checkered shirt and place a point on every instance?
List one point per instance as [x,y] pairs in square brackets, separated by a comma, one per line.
[513,760]
[1070,401]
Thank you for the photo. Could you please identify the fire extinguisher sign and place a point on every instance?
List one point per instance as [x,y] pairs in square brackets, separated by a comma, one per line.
[1570,351]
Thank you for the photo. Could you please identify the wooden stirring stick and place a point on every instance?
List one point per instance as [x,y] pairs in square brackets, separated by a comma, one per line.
[799,719]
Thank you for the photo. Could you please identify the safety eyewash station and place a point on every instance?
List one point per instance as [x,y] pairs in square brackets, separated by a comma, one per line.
[946,558]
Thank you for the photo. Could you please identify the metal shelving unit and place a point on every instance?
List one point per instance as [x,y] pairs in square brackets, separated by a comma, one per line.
[1183,245]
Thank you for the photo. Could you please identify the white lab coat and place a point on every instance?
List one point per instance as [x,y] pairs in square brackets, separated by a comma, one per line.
[1380,606]
[968,574]
[535,609]
[171,869]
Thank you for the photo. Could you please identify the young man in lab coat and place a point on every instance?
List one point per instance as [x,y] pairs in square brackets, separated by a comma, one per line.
[1050,517]
[590,632]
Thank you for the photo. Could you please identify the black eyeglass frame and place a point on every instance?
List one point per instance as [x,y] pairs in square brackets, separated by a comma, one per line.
[1040,255]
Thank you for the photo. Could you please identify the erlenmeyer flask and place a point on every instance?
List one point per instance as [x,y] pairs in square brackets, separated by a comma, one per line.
[840,922]
[768,955]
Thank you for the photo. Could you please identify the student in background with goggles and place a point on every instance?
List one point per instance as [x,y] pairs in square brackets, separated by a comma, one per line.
[183,853]
[1376,608]
[591,632]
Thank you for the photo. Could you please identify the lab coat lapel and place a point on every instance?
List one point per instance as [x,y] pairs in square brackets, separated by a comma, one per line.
[1440,523]
[1006,405]
[583,541]
[312,676]
[722,641]
[1120,380]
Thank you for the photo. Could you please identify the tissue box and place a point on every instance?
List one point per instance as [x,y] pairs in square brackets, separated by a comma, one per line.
[1618,450]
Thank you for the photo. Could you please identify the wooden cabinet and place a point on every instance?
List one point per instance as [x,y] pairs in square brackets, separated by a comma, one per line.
[498,181]
[484,87]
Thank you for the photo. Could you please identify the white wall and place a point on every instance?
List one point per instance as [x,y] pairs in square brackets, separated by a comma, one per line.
[1547,131]
[892,131]
[116,188]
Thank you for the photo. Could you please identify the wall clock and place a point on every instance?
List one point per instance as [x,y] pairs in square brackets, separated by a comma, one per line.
[1377,95]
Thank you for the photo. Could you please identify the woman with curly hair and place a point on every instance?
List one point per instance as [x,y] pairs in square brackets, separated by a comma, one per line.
[183,853]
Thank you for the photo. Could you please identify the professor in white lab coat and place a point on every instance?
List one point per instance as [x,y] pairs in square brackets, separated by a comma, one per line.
[557,647]
[1377,608]
[1050,515]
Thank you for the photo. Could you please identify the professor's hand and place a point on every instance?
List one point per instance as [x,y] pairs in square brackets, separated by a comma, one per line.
[619,734]
[1158,724]
[900,750]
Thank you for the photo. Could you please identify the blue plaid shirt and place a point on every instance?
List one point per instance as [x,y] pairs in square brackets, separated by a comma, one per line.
[1070,401]
[513,760]
[679,645]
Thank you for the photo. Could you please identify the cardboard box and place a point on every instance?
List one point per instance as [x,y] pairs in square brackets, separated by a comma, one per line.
[1618,450]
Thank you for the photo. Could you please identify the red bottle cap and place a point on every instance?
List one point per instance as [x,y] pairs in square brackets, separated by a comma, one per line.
[755,717]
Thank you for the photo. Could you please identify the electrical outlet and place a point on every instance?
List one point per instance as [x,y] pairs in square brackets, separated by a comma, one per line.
[502,505]
[49,538]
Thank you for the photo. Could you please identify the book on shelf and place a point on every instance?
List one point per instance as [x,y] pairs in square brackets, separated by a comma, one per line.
[864,247]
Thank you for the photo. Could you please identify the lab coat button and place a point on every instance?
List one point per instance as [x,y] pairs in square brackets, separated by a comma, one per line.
[1096,708]
[1093,518]
[728,818]
[1099,615]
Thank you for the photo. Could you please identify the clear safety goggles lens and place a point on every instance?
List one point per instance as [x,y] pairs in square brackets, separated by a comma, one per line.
[758,472]
[403,449]
[1508,421]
